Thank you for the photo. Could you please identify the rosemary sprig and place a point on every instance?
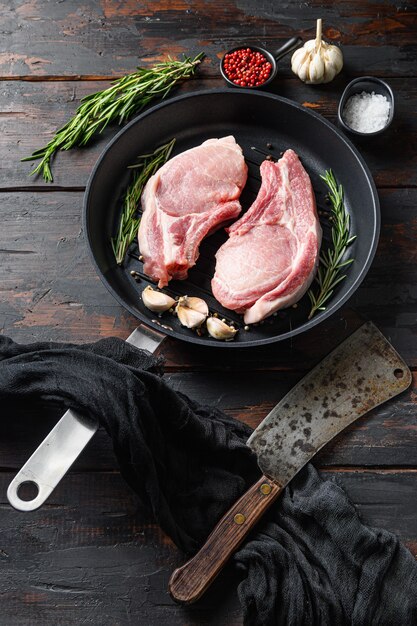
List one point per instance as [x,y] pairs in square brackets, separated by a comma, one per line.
[146,166]
[330,263]
[126,96]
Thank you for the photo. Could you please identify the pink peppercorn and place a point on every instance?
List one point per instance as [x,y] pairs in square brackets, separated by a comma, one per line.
[246,67]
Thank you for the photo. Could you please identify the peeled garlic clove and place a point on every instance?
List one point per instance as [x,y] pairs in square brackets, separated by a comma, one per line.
[191,311]
[156,300]
[219,329]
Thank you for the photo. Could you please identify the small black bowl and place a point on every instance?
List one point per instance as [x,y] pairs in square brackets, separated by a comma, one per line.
[369,84]
[272,57]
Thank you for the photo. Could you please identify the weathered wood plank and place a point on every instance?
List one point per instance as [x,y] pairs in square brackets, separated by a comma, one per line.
[31,112]
[385,437]
[92,552]
[102,37]
[50,290]
[73,562]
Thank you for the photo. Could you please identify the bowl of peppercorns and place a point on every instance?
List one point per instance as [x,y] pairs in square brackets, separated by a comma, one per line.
[252,66]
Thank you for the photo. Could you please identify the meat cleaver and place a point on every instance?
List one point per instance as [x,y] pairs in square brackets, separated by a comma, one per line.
[361,373]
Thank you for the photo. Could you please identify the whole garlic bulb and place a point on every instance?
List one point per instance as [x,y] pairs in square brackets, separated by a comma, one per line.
[317,61]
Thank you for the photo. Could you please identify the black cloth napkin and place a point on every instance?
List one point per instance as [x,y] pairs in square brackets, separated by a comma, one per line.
[309,561]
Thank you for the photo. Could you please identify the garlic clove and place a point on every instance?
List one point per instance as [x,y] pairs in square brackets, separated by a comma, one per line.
[191,311]
[156,300]
[297,59]
[316,69]
[329,73]
[310,46]
[333,63]
[303,70]
[189,317]
[334,55]
[219,329]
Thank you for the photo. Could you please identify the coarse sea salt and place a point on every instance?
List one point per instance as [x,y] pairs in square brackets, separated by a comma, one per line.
[366,112]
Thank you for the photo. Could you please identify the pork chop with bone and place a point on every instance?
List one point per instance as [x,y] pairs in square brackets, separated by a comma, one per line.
[271,256]
[188,198]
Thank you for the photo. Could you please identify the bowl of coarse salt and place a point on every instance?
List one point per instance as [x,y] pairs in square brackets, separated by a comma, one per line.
[366,106]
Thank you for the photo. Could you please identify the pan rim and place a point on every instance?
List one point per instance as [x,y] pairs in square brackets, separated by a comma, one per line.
[309,324]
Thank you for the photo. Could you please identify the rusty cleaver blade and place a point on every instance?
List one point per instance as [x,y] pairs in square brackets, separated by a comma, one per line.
[361,373]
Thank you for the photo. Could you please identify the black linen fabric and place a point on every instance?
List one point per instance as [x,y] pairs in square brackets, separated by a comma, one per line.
[310,561]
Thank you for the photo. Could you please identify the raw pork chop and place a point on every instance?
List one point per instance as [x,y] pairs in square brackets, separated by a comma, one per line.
[271,255]
[191,196]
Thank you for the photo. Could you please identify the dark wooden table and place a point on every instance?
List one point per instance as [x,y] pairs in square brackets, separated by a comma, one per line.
[90,556]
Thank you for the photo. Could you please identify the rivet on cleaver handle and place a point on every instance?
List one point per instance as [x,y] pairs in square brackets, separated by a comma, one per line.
[361,373]
[58,451]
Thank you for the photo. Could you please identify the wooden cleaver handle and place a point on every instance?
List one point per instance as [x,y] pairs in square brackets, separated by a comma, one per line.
[188,583]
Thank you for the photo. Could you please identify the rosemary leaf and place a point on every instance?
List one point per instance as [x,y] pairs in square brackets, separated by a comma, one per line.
[145,167]
[330,262]
[117,103]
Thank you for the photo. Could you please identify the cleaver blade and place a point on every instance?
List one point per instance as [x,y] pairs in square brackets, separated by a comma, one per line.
[361,373]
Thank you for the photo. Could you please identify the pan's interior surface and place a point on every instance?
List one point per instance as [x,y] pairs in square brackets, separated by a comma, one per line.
[256,120]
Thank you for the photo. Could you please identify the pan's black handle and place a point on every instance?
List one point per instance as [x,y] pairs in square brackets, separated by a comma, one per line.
[287,47]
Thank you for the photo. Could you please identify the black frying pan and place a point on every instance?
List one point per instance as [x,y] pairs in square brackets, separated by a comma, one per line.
[255,119]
